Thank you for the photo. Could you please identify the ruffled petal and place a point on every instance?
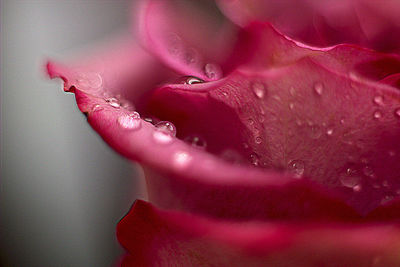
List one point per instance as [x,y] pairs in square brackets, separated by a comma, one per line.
[154,237]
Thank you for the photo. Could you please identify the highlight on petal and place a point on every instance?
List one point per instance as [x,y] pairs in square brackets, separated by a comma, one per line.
[186,37]
[323,23]
[154,237]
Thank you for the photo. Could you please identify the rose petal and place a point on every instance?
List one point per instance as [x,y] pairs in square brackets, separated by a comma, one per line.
[317,113]
[324,23]
[155,237]
[187,39]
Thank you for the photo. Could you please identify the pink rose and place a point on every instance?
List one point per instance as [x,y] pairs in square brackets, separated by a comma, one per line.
[258,150]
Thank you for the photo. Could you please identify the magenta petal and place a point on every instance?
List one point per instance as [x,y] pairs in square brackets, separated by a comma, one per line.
[185,38]
[322,114]
[155,237]
[374,24]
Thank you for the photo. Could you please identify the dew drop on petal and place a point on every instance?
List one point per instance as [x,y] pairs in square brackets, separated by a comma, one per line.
[181,159]
[212,71]
[97,108]
[296,167]
[130,121]
[112,101]
[318,88]
[357,188]
[258,89]
[329,131]
[166,127]
[255,159]
[368,171]
[397,112]
[377,114]
[386,199]
[196,141]
[378,100]
[392,153]
[350,178]
[193,80]
[258,140]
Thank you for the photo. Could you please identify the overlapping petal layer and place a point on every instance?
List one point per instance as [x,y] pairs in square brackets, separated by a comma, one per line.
[323,23]
[166,238]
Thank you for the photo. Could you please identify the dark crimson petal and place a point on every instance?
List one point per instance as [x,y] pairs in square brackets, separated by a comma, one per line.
[321,114]
[374,24]
[154,237]
[186,38]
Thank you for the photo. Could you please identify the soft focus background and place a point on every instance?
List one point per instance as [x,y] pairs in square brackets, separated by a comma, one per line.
[62,189]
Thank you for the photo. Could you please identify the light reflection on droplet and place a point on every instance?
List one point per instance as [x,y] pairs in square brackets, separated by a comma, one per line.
[255,159]
[112,101]
[258,89]
[97,108]
[378,100]
[329,131]
[196,141]
[296,167]
[318,88]
[130,121]
[397,112]
[350,178]
[166,127]
[377,114]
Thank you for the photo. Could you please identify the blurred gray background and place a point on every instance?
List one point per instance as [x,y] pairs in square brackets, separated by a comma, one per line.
[62,189]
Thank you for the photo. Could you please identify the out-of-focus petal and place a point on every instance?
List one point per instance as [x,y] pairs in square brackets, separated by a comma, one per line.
[155,237]
[185,37]
[375,24]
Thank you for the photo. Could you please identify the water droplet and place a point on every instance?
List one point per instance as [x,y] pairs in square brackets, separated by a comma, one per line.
[378,100]
[130,121]
[318,88]
[255,159]
[97,108]
[112,101]
[357,188]
[368,171]
[258,89]
[291,106]
[196,141]
[251,121]
[350,178]
[377,115]
[392,153]
[258,140]
[329,131]
[181,159]
[212,71]
[296,167]
[397,112]
[166,127]
[342,121]
[315,131]
[189,80]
